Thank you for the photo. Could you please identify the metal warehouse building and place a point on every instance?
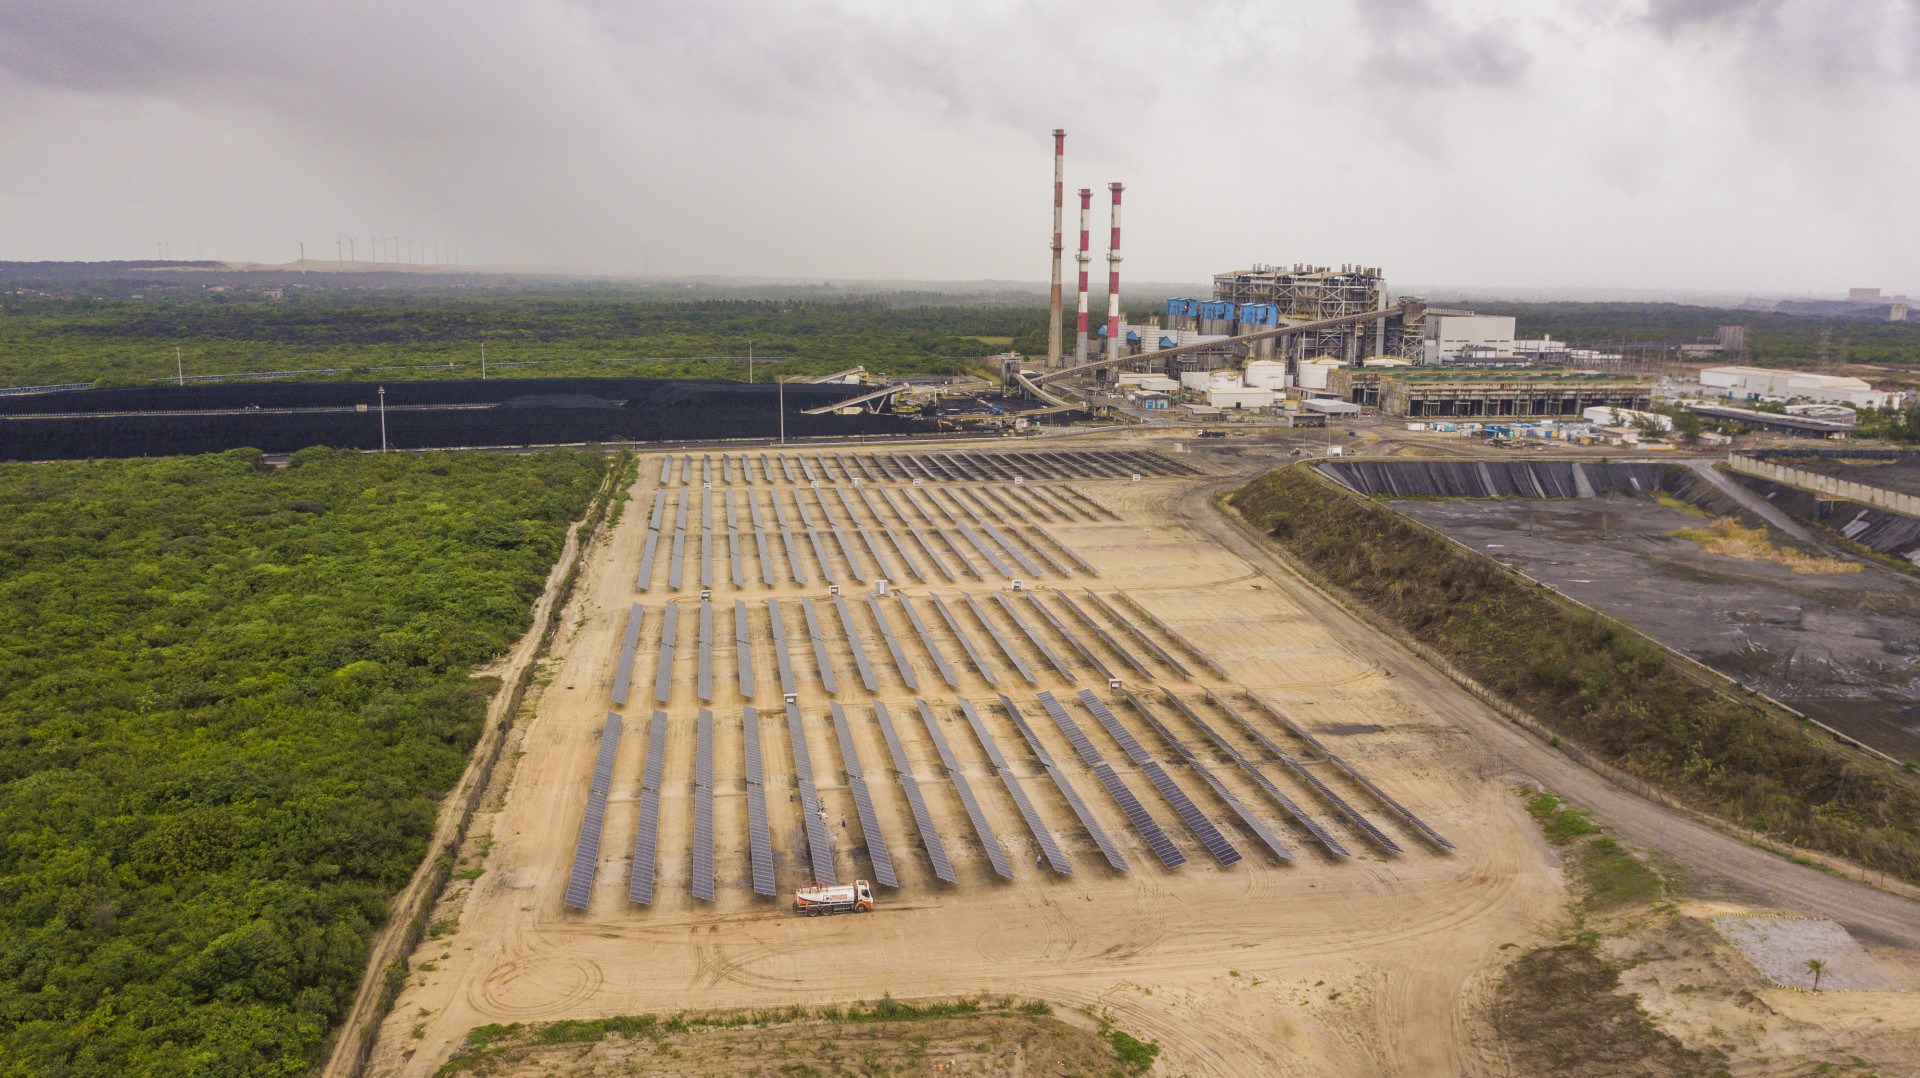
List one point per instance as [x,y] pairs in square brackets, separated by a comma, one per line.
[1424,391]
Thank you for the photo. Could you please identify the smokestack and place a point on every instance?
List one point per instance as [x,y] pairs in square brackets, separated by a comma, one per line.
[1080,338]
[1114,343]
[1053,323]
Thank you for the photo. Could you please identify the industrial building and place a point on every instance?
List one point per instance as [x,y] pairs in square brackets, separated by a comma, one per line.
[1464,337]
[1439,391]
[1762,383]
[1265,297]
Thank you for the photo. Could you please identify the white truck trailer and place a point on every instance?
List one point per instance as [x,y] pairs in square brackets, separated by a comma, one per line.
[854,897]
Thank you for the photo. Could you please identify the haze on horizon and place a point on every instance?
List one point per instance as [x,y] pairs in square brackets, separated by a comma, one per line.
[1761,145]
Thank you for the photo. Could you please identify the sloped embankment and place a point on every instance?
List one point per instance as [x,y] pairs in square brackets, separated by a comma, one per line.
[1890,534]
[1592,679]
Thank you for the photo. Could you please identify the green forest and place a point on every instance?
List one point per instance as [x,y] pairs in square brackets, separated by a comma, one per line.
[122,341]
[230,696]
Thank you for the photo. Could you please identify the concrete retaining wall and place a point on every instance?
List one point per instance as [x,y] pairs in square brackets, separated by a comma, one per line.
[1826,484]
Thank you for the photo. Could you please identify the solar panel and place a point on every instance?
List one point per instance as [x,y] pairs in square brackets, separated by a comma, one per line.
[899,545]
[893,645]
[629,646]
[733,553]
[726,467]
[846,551]
[1072,555]
[586,852]
[797,738]
[780,645]
[1202,828]
[819,647]
[1298,814]
[1105,637]
[877,851]
[706,558]
[787,467]
[666,468]
[733,513]
[656,751]
[1339,803]
[1185,644]
[703,749]
[853,643]
[1005,648]
[686,470]
[759,840]
[985,551]
[1136,813]
[1252,822]
[1120,734]
[819,840]
[1061,628]
[1034,638]
[918,535]
[988,840]
[1040,548]
[603,760]
[659,513]
[765,472]
[966,643]
[750,738]
[704,686]
[1018,554]
[808,468]
[1138,634]
[936,735]
[742,648]
[1048,847]
[766,558]
[645,848]
[663,675]
[926,640]
[910,787]
[645,579]
[820,555]
[677,567]
[794,567]
[700,879]
[1384,799]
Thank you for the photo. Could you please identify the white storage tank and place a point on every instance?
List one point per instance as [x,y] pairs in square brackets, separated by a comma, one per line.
[1266,374]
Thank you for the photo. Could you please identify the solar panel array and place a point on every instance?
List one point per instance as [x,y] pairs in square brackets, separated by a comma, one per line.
[779,624]
[1185,644]
[701,881]
[1041,549]
[795,569]
[759,836]
[910,787]
[819,847]
[1190,814]
[1149,829]
[586,851]
[742,648]
[988,840]
[966,643]
[926,640]
[1033,637]
[819,647]
[629,646]
[899,545]
[663,674]
[1199,766]
[666,469]
[1006,649]
[1339,803]
[760,540]
[1299,814]
[1352,772]
[1138,634]
[919,536]
[1041,833]
[853,643]
[704,685]
[893,644]
[1105,637]
[877,851]
[645,579]
[1071,638]
[646,838]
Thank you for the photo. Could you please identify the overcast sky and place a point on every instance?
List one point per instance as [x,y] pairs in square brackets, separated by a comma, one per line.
[1767,145]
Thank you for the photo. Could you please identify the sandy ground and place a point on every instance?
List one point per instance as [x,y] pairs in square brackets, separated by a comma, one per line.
[1368,965]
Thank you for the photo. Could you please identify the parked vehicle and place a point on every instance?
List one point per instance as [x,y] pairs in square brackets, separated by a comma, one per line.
[855,897]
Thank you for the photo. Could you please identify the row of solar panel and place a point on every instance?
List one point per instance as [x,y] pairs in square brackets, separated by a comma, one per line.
[1037,543]
[939,466]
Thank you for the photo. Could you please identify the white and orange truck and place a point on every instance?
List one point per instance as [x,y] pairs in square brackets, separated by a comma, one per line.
[816,900]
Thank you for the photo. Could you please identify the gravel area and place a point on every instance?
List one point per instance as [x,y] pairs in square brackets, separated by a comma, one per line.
[1779,947]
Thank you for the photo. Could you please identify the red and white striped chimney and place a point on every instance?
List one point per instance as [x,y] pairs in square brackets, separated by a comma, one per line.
[1114,344]
[1053,323]
[1080,338]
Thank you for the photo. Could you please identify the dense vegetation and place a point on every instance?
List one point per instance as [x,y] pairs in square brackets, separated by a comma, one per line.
[48,341]
[1772,337]
[229,698]
[1593,680]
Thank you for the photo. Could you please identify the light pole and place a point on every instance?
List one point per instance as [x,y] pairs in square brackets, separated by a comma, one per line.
[383,419]
[749,362]
[483,361]
[781,379]
[179,367]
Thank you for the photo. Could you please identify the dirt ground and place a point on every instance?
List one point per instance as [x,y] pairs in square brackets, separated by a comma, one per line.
[1374,964]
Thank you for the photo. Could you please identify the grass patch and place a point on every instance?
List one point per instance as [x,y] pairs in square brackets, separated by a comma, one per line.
[1137,1054]
[1557,1010]
[1593,680]
[1726,537]
[1672,502]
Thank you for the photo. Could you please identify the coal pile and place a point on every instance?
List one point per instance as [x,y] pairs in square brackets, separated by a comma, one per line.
[287,416]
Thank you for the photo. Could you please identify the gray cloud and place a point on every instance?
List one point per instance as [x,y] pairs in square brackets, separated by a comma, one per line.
[1577,141]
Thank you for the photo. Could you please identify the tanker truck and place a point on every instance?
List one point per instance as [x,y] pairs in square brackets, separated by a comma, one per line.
[817,900]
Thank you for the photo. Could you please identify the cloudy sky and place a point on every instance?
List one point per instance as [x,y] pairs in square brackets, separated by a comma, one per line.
[1765,145]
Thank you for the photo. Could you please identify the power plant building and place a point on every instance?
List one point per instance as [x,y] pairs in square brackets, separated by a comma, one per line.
[1439,391]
